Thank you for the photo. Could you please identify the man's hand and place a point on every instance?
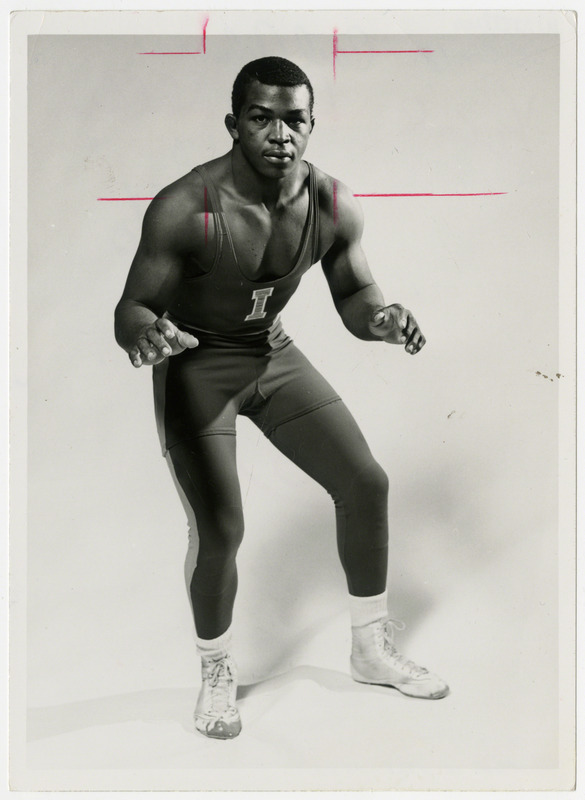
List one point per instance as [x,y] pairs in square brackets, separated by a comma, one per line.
[158,341]
[396,325]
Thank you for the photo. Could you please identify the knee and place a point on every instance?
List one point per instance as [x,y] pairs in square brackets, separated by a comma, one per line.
[215,570]
[224,533]
[371,484]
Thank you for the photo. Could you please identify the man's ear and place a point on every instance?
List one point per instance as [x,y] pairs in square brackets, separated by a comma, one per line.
[312,123]
[231,124]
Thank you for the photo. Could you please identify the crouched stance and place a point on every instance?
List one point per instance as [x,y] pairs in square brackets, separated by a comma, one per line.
[222,251]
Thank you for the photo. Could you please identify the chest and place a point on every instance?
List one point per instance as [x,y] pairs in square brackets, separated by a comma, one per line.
[268,244]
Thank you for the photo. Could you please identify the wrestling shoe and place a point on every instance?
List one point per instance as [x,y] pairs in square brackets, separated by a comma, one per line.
[375,659]
[216,714]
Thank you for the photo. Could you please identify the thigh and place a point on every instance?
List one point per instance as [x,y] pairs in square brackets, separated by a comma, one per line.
[328,445]
[198,393]
[206,472]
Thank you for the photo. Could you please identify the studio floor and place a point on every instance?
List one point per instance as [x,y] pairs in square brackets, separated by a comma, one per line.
[309,715]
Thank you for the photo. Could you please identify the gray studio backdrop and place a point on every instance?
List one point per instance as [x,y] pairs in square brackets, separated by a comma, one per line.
[467,430]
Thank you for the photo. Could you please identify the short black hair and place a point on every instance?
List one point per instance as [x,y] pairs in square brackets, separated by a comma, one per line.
[272,71]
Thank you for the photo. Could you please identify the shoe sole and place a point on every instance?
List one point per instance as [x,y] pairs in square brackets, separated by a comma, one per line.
[226,733]
[400,687]
[218,738]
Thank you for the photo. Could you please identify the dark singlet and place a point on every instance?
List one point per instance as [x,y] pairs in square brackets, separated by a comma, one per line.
[225,307]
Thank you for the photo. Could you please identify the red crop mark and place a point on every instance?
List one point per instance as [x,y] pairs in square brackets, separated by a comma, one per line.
[205,35]
[119,199]
[385,51]
[182,52]
[206,211]
[336,51]
[375,194]
[434,194]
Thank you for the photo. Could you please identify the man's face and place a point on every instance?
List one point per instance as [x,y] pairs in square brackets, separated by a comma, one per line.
[273,128]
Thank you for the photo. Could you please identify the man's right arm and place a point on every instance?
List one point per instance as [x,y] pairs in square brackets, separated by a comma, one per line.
[152,282]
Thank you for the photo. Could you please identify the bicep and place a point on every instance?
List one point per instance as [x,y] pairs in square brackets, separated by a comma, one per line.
[153,278]
[156,270]
[345,264]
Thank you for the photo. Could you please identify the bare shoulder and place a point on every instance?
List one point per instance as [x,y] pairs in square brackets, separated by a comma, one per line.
[339,208]
[172,218]
[180,199]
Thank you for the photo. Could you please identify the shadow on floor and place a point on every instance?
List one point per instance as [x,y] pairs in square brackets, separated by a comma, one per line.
[150,705]
[329,679]
[170,705]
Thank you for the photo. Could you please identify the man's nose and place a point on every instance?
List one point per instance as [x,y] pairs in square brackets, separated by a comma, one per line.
[279,131]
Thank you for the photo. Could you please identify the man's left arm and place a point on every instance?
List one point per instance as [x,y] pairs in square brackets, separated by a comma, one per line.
[356,295]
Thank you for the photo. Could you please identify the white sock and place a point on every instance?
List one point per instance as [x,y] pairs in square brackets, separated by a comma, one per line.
[364,610]
[214,647]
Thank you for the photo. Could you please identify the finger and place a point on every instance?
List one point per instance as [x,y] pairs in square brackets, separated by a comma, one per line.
[158,341]
[186,339]
[383,325]
[410,326]
[380,317]
[401,315]
[420,343]
[148,351]
[411,344]
[405,327]
[166,327]
[135,357]
[411,332]
[415,343]
[411,348]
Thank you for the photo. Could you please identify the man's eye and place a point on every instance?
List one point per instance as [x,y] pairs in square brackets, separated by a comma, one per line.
[259,118]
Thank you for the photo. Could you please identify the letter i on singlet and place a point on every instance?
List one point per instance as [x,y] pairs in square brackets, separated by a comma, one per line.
[259,296]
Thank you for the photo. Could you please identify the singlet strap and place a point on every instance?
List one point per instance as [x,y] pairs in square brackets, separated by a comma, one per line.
[314,206]
[213,203]
[311,232]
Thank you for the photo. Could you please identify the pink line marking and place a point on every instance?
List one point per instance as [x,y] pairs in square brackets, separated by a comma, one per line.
[336,51]
[183,53]
[385,51]
[402,194]
[206,211]
[433,194]
[205,35]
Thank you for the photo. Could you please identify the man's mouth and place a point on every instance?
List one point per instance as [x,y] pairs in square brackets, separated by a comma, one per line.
[277,157]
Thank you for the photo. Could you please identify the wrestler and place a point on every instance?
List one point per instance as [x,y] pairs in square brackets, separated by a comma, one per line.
[222,250]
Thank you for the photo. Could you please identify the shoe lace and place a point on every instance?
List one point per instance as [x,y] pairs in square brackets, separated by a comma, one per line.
[219,678]
[389,626]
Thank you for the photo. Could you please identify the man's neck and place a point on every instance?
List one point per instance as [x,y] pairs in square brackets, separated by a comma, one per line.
[256,188]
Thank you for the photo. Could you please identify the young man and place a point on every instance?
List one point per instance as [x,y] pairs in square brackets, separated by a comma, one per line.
[222,250]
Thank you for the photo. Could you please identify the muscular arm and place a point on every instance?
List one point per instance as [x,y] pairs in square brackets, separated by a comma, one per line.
[356,295]
[152,282]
